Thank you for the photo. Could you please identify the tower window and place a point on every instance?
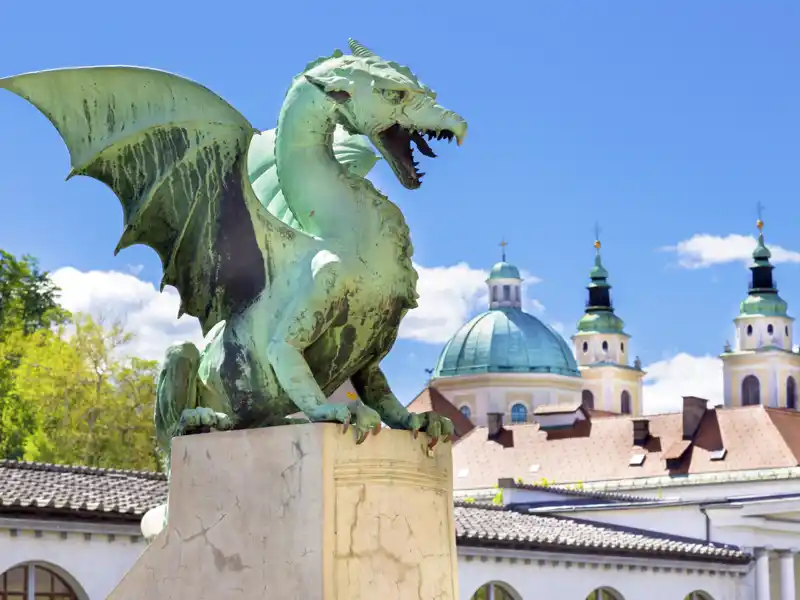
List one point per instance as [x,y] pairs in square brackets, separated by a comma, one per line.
[605,346]
[516,294]
[465,410]
[585,347]
[751,391]
[770,329]
[622,347]
[506,293]
[494,293]
[749,330]
[625,403]
[587,399]
[791,393]
[786,330]
[519,413]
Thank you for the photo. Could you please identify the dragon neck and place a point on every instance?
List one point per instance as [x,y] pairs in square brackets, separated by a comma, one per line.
[327,201]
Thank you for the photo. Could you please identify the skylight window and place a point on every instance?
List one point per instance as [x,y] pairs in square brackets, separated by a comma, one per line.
[718,454]
[637,460]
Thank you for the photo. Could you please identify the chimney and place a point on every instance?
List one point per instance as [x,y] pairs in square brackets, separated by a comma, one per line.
[497,433]
[495,421]
[641,431]
[693,411]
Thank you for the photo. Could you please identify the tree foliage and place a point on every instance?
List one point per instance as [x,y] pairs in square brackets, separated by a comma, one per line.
[69,393]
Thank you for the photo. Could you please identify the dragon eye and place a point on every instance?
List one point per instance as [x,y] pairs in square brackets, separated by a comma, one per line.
[394,96]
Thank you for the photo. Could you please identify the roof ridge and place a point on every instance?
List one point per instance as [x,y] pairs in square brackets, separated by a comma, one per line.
[79,469]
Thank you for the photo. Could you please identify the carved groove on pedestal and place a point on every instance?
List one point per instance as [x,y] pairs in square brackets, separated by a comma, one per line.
[383,471]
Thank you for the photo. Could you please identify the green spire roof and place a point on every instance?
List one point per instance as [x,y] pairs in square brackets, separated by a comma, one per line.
[762,298]
[599,317]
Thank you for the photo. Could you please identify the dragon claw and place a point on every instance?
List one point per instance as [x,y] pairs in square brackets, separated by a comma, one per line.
[201,420]
[438,428]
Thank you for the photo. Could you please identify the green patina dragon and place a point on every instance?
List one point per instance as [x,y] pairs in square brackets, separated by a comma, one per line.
[298,269]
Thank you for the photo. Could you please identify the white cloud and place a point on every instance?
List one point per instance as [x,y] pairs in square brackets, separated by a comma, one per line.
[448,297]
[114,296]
[704,250]
[667,381]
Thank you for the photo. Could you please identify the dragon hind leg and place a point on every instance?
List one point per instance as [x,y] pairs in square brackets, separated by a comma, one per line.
[177,411]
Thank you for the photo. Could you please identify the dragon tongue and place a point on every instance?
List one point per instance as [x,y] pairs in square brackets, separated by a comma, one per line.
[422,145]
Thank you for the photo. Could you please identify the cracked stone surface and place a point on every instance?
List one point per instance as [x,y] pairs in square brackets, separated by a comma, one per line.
[301,512]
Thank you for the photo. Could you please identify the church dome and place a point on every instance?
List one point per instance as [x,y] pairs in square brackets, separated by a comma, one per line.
[506,340]
[504,270]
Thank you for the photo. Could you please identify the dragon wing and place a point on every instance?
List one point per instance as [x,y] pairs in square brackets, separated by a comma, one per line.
[175,155]
[354,152]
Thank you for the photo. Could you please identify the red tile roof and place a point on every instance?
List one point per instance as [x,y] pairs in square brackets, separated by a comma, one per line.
[601,449]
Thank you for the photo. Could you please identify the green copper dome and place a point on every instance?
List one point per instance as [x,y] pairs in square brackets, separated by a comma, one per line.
[765,305]
[600,322]
[506,340]
[504,270]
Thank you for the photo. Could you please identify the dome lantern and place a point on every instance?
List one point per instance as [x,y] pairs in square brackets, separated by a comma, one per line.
[505,284]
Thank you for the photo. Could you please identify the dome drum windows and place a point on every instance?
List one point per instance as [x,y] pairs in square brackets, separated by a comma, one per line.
[587,399]
[605,346]
[770,329]
[519,414]
[585,347]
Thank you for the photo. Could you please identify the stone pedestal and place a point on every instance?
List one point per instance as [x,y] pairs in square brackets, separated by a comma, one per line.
[302,513]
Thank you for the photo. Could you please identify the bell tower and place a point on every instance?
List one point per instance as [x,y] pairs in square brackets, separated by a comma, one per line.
[601,349]
[761,367]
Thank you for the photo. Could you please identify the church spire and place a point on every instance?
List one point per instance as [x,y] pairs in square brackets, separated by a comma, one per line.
[762,294]
[599,288]
[599,309]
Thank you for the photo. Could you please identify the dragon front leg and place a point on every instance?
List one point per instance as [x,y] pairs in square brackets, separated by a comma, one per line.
[306,317]
[371,385]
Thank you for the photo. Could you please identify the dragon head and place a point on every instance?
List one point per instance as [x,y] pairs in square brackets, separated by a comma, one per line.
[387,103]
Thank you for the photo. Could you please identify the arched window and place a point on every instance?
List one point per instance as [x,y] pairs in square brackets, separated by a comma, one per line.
[770,329]
[605,346]
[587,399]
[506,293]
[519,413]
[34,581]
[622,347]
[585,347]
[751,391]
[698,595]
[465,410]
[791,393]
[625,403]
[494,591]
[749,330]
[604,593]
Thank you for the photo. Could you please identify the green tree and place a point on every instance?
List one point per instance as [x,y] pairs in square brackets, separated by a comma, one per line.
[77,398]
[28,297]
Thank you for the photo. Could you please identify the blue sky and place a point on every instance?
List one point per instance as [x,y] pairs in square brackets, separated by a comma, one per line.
[662,121]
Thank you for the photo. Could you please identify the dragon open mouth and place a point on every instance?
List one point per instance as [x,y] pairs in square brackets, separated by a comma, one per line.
[395,145]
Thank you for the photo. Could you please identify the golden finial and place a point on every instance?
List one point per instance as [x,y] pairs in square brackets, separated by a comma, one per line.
[597,236]
[759,222]
[597,244]
[503,245]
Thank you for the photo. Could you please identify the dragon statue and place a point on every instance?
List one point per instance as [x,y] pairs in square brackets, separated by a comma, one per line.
[298,269]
